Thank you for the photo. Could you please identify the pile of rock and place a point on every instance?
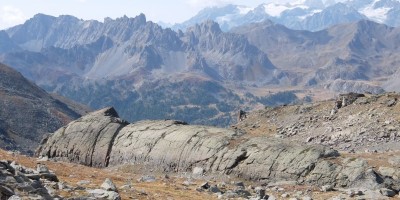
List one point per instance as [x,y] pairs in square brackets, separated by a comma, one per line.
[362,122]
[108,191]
[202,149]
[239,190]
[19,182]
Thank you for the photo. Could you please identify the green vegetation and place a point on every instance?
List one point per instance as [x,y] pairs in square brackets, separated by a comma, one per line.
[280,98]
[196,102]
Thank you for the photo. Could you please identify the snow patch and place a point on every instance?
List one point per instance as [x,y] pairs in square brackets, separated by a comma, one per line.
[275,10]
[244,10]
[86,24]
[313,12]
[376,14]
[225,18]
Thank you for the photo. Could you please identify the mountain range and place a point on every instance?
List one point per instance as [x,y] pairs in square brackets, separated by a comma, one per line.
[145,71]
[203,75]
[342,57]
[312,15]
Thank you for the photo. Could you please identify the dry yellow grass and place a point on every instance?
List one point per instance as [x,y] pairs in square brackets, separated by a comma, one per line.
[72,173]
[171,188]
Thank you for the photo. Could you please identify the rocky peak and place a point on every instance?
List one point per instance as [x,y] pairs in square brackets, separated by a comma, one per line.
[335,14]
[41,17]
[365,24]
[206,28]
[345,12]
[137,21]
[140,19]
[38,27]
[367,37]
[67,19]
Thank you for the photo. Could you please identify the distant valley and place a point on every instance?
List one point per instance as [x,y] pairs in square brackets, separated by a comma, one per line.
[286,100]
[203,75]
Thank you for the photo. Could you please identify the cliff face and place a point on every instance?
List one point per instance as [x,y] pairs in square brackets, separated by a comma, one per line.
[101,139]
[87,140]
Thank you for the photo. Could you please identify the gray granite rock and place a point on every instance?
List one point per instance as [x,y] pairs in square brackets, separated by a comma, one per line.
[25,183]
[387,192]
[198,171]
[87,140]
[395,161]
[104,194]
[102,139]
[109,185]
[147,178]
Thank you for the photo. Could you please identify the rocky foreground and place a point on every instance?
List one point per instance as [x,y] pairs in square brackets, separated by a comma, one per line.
[364,123]
[102,139]
[23,177]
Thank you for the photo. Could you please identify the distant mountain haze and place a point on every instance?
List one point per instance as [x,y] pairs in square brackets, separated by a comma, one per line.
[202,75]
[312,15]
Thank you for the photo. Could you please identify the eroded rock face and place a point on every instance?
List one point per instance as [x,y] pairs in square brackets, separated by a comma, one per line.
[102,139]
[87,140]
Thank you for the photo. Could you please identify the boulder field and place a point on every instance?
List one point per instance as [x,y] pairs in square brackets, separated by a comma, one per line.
[102,139]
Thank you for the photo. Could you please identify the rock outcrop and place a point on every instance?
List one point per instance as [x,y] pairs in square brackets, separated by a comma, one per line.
[101,139]
[365,123]
[19,182]
[87,140]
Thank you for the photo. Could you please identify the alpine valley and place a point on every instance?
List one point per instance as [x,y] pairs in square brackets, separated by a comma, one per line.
[204,74]
[281,101]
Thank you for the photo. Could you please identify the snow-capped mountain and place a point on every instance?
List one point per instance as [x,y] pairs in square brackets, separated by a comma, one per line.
[311,15]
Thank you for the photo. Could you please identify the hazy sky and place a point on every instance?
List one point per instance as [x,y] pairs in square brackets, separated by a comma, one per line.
[13,12]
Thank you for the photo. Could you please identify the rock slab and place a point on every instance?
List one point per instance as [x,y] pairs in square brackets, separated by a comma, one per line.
[102,139]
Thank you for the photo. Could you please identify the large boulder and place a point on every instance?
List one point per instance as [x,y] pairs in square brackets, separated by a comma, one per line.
[87,140]
[102,139]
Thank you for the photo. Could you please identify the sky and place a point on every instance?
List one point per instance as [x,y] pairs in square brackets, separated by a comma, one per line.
[14,12]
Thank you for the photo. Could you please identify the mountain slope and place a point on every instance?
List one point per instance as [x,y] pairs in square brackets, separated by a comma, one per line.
[141,69]
[95,49]
[361,51]
[7,45]
[130,63]
[27,112]
[332,15]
